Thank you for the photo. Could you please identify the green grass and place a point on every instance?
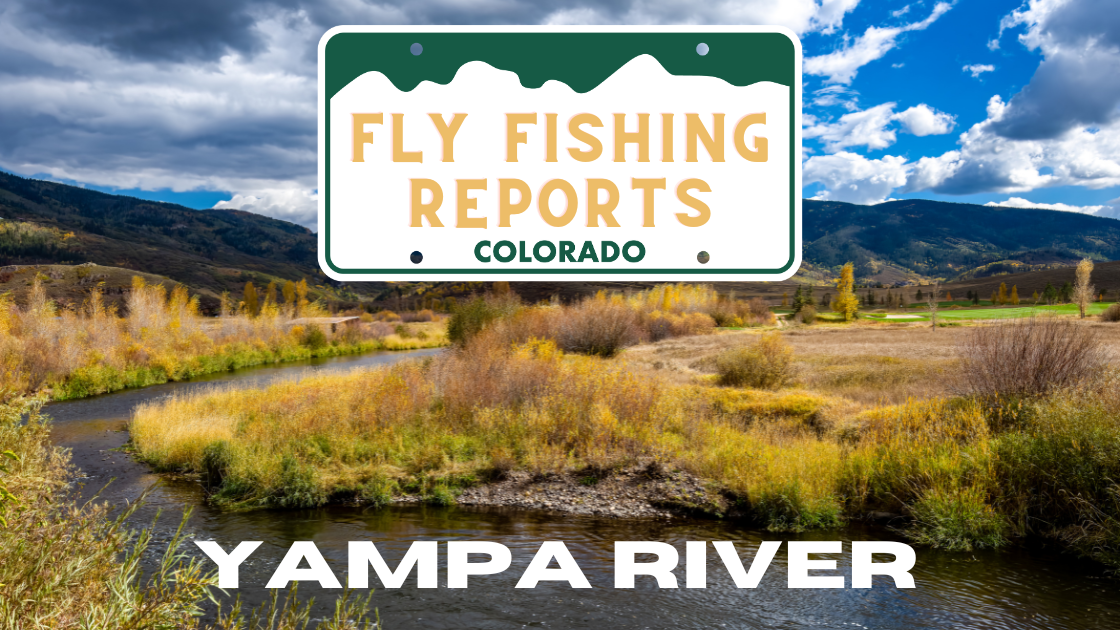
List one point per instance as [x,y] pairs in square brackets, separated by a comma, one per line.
[1013,312]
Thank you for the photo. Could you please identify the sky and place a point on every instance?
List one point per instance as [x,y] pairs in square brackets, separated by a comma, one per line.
[212,103]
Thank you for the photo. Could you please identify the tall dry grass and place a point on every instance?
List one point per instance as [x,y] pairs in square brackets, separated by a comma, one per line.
[160,337]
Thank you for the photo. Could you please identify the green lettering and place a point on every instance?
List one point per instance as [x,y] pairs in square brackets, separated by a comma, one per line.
[588,251]
[478,251]
[567,248]
[498,251]
[626,251]
[551,251]
[612,256]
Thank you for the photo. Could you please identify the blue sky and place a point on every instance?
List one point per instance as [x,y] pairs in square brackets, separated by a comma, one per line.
[212,102]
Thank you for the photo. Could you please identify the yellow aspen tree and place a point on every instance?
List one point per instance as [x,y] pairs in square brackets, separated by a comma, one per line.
[1015,294]
[1003,293]
[785,300]
[846,303]
[252,300]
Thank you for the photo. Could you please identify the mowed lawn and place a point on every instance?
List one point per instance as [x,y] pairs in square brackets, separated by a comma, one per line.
[991,313]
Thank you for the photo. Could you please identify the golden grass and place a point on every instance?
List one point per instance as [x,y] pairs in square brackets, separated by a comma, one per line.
[163,337]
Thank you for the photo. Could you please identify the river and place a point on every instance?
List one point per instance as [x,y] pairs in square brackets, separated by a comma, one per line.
[1030,587]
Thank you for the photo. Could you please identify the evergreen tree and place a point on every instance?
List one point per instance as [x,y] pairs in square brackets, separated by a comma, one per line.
[1065,294]
[919,298]
[976,298]
[809,301]
[798,300]
[1050,294]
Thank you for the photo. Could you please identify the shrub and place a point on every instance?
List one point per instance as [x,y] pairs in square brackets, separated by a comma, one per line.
[386,316]
[767,364]
[425,315]
[1111,314]
[313,337]
[469,319]
[598,327]
[808,315]
[1027,357]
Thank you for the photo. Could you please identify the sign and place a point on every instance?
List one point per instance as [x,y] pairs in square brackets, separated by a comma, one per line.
[520,153]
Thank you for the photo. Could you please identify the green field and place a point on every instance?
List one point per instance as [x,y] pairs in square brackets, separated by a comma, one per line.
[990,313]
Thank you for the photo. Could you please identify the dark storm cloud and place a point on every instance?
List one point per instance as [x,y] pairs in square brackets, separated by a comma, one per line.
[1078,83]
[207,29]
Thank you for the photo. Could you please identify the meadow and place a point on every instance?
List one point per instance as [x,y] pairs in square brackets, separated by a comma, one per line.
[76,352]
[972,436]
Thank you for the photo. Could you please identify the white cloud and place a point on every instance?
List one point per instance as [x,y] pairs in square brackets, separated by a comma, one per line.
[871,127]
[842,65]
[922,120]
[295,205]
[901,12]
[833,95]
[978,69]
[993,44]
[1019,202]
[854,178]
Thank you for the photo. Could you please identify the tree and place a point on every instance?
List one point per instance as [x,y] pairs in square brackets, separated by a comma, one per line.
[1003,293]
[301,297]
[252,301]
[995,298]
[798,300]
[1065,294]
[826,301]
[1083,291]
[846,303]
[1015,294]
[270,294]
[976,298]
[809,301]
[1050,294]
[1034,296]
[289,292]
[948,296]
[785,300]
[931,303]
[919,297]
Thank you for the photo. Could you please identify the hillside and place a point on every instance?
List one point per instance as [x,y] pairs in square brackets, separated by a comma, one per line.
[211,251]
[208,250]
[914,238]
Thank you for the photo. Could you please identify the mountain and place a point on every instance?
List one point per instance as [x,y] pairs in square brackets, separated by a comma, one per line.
[212,251]
[208,250]
[915,238]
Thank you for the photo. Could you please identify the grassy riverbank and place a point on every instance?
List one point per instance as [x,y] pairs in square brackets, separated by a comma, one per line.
[78,353]
[794,439]
[65,564]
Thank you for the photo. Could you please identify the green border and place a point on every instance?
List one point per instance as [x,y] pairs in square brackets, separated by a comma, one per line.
[582,61]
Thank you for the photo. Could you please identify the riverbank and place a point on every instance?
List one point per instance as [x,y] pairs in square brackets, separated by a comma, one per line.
[70,353]
[103,379]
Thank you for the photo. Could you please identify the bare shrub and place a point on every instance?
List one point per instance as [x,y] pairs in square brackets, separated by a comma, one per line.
[597,326]
[425,315]
[1027,357]
[766,364]
[1111,314]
